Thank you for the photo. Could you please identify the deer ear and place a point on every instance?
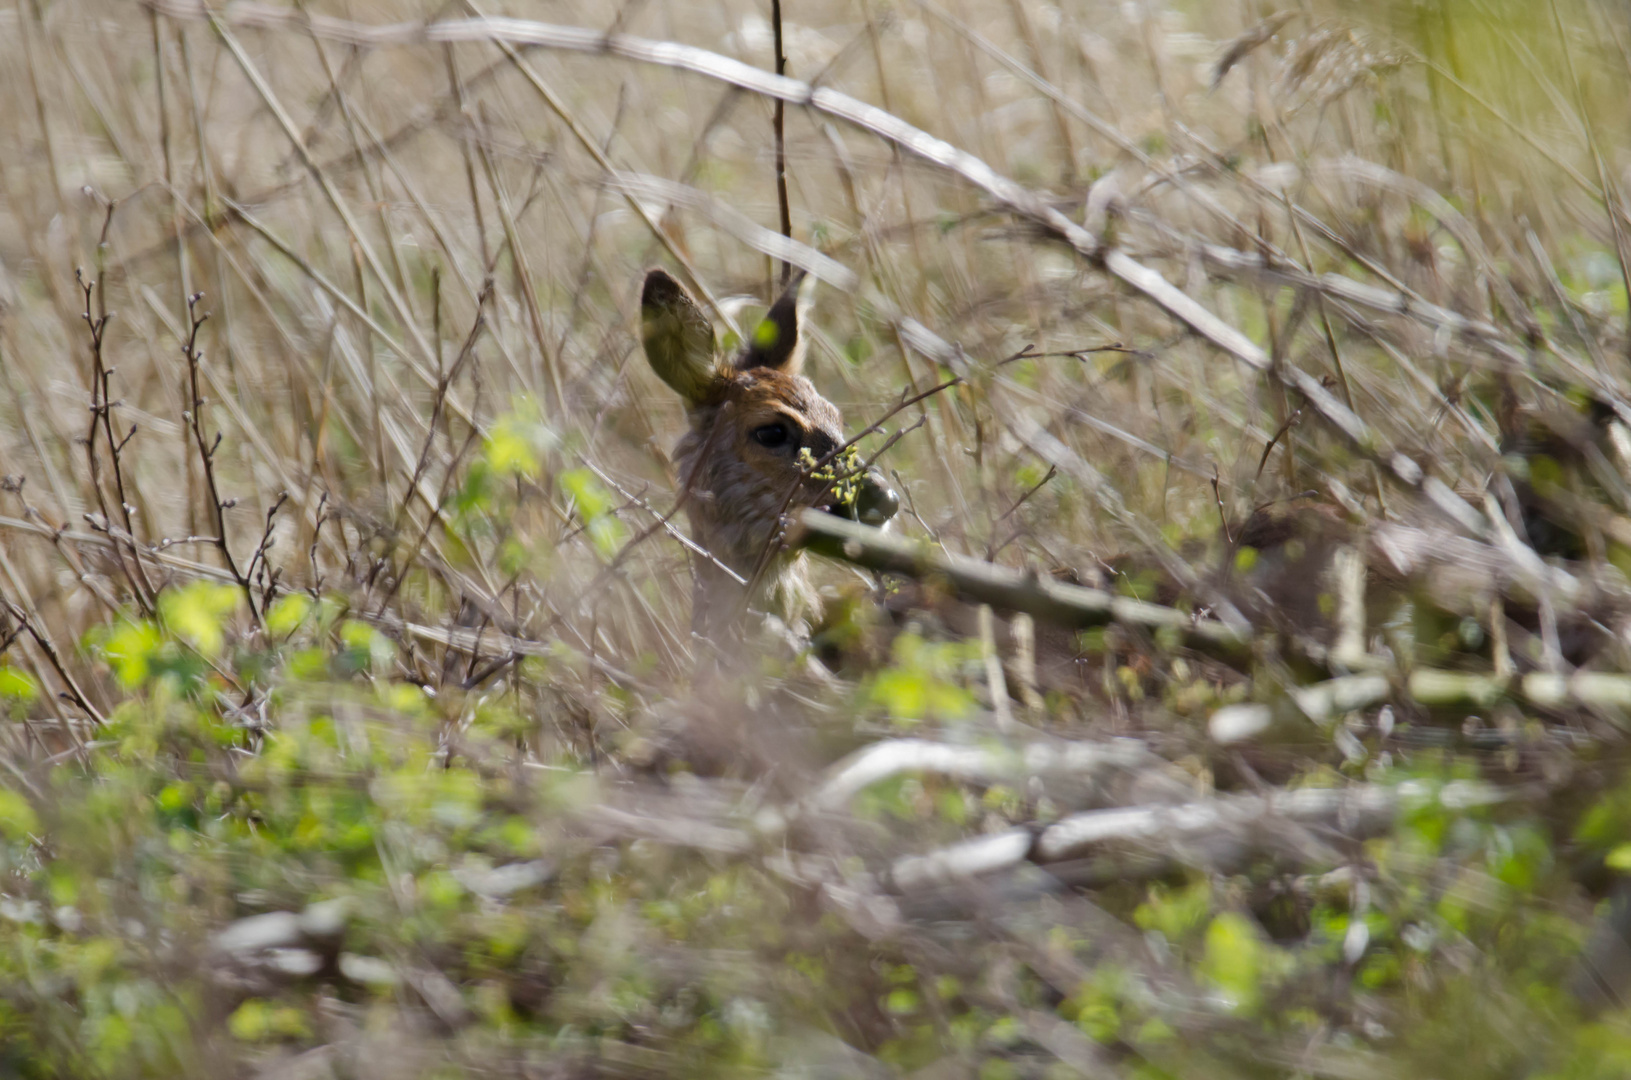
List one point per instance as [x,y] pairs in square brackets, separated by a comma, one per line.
[776,341]
[678,337]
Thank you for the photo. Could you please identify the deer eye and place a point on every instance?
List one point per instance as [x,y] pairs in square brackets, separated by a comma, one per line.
[771,436]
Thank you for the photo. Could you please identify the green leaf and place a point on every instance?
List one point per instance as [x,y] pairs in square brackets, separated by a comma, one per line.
[129,650]
[365,647]
[516,443]
[593,500]
[17,817]
[1234,959]
[508,454]
[1174,912]
[197,614]
[17,684]
[286,615]
[922,682]
[258,1020]
[902,1002]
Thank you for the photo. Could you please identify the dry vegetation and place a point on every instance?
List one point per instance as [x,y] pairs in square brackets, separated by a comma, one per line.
[353,724]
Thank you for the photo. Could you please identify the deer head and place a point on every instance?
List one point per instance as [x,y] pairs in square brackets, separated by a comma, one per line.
[761,446]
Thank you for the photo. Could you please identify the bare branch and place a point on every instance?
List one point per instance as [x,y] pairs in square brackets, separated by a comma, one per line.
[1012,590]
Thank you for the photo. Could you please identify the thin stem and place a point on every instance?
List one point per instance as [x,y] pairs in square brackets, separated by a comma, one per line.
[779,126]
[96,318]
[206,452]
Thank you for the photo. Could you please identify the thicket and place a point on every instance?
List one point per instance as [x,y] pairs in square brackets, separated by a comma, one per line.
[353,725]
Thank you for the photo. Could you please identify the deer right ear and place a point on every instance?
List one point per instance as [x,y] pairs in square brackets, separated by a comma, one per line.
[678,337]
[777,342]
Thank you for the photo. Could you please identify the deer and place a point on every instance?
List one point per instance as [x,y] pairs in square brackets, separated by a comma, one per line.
[762,445]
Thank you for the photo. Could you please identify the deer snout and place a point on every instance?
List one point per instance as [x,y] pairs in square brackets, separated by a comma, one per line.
[875,501]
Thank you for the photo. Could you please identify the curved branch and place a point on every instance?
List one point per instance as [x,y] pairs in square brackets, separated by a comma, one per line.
[1006,191]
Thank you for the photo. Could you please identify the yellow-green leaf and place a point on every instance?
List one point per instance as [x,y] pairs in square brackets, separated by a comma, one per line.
[17,684]
[129,649]
[17,817]
[197,614]
[1234,959]
[286,615]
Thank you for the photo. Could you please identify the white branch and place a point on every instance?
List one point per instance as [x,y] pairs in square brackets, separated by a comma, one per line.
[1357,812]
[1076,760]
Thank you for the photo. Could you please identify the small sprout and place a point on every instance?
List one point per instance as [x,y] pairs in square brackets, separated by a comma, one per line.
[842,473]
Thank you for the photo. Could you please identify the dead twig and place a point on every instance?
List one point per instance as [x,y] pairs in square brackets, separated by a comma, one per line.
[206,453]
[101,428]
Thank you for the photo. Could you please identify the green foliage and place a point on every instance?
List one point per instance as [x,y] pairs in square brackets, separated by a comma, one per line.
[443,785]
[17,685]
[1237,961]
[288,613]
[594,505]
[922,681]
[18,821]
[515,444]
[1175,913]
[259,1021]
[196,614]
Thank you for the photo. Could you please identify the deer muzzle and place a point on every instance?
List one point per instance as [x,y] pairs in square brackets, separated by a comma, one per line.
[875,501]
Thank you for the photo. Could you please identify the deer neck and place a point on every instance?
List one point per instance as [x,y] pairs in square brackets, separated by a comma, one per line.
[736,519]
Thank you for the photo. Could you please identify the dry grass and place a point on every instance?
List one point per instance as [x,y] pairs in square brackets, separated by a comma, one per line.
[420,264]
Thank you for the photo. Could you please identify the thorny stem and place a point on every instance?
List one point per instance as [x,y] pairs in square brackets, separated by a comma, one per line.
[23,619]
[1291,421]
[992,550]
[444,384]
[206,452]
[434,518]
[1053,471]
[686,489]
[1217,497]
[1027,353]
[474,678]
[101,427]
[662,519]
[316,539]
[259,558]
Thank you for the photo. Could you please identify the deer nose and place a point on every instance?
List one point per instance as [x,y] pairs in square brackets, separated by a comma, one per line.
[875,502]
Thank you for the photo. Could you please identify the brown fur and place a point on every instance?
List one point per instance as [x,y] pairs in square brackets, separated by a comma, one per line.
[737,489]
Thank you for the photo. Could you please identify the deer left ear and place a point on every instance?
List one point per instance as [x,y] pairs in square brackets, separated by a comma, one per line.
[776,342]
[679,339]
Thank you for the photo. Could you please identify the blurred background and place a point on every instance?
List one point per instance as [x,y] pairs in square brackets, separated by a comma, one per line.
[354,722]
